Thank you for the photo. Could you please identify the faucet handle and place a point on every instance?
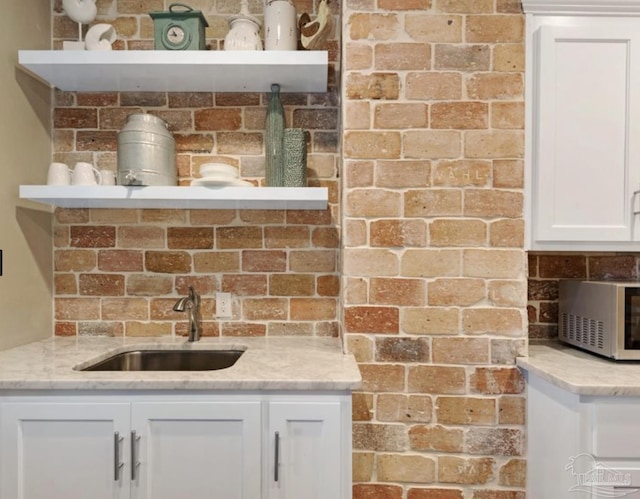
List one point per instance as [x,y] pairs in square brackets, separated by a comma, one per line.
[193,296]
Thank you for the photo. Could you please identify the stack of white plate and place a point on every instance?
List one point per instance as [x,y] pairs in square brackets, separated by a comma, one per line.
[219,175]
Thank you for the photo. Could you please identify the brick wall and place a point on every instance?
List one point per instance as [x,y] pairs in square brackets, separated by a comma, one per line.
[434,272]
[118,272]
[422,244]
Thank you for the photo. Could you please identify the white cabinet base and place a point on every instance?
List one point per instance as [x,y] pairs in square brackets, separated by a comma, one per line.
[581,447]
[62,451]
[165,445]
[308,434]
[190,449]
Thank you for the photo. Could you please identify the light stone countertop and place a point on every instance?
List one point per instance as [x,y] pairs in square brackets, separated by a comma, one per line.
[279,363]
[580,372]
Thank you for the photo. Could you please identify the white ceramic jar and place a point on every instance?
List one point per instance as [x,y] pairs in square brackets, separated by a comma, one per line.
[280,25]
[244,34]
[244,31]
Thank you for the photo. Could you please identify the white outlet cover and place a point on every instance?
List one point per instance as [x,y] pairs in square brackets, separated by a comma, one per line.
[223,305]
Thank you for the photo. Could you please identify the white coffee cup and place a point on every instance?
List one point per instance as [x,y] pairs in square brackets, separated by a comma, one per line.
[85,174]
[107,177]
[58,174]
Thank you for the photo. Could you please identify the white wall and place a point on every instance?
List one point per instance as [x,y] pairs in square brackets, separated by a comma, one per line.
[25,152]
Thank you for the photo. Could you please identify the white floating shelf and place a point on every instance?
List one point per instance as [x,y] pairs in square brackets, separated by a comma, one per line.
[195,198]
[179,71]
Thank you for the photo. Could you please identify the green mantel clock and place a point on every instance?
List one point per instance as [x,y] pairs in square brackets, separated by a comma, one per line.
[179,29]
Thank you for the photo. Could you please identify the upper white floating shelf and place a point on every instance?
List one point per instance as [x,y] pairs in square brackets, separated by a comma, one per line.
[179,71]
[195,198]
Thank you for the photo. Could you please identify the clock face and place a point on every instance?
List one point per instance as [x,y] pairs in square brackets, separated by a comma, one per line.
[175,35]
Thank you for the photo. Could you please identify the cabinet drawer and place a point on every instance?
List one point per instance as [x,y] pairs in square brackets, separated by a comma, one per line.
[615,430]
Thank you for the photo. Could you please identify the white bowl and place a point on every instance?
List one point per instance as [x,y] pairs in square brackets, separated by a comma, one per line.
[218,170]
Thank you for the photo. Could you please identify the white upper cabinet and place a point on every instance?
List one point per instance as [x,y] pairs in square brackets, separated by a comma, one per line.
[583,120]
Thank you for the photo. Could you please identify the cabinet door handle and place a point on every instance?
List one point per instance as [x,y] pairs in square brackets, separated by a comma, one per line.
[117,465]
[134,459]
[276,458]
[635,194]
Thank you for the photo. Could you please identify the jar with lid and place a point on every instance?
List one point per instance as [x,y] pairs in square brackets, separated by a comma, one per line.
[146,152]
[244,31]
[280,25]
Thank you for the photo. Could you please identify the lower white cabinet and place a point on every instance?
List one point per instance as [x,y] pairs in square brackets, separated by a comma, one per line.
[581,447]
[306,437]
[165,446]
[62,450]
[191,449]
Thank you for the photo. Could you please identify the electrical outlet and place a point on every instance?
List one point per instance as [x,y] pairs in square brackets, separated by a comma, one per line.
[223,305]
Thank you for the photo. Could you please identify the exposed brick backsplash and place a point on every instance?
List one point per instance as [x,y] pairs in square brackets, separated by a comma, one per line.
[137,269]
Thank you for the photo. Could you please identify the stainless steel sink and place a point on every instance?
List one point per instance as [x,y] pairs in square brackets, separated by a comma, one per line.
[168,360]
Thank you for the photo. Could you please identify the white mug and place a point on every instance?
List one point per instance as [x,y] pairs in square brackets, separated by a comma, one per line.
[58,174]
[85,174]
[107,177]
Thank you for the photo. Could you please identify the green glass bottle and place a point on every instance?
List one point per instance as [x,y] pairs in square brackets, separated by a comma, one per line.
[274,140]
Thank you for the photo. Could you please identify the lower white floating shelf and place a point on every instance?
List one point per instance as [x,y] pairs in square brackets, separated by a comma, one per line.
[170,197]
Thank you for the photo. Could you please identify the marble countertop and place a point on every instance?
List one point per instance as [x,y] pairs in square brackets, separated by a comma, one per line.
[581,372]
[280,363]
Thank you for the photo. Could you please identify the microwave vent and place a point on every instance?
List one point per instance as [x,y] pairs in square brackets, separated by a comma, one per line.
[582,330]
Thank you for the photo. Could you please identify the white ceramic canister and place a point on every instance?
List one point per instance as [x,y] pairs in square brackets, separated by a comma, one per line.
[280,25]
[244,31]
[244,34]
[146,152]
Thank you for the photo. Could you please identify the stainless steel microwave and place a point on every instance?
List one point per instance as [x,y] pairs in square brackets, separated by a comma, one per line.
[602,317]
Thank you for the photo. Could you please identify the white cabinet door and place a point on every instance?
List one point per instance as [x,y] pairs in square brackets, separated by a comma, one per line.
[585,161]
[63,451]
[196,450]
[590,451]
[307,457]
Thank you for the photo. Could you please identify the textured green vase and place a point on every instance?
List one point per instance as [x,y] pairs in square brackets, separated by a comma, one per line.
[274,140]
[295,158]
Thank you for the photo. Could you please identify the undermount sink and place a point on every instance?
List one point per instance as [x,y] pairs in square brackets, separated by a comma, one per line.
[167,360]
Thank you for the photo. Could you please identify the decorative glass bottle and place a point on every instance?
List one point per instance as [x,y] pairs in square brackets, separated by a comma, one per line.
[274,140]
